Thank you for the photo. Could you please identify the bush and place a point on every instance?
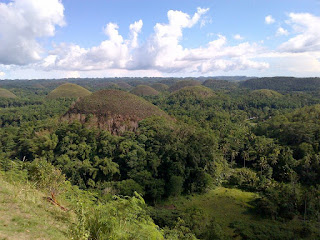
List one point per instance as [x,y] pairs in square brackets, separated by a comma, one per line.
[244,178]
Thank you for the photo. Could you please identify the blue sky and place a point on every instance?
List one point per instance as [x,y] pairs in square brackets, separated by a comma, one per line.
[110,38]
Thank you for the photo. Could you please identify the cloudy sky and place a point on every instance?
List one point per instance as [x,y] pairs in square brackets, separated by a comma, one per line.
[110,38]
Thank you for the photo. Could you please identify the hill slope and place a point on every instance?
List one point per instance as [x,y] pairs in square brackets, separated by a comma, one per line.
[68,90]
[4,93]
[25,215]
[113,110]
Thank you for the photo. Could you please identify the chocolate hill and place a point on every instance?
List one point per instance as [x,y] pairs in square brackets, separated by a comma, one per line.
[68,90]
[113,110]
[160,87]
[182,84]
[266,93]
[4,93]
[144,90]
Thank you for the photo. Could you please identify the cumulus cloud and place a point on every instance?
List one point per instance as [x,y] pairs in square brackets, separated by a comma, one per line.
[269,19]
[238,37]
[161,52]
[2,74]
[282,32]
[307,30]
[22,22]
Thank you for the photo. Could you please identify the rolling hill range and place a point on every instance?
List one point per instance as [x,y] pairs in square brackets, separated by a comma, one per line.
[283,84]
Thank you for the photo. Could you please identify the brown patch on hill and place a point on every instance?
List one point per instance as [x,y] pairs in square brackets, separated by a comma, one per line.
[68,90]
[4,93]
[144,90]
[112,110]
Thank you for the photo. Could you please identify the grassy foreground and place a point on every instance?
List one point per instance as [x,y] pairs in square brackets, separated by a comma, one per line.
[232,210]
[24,214]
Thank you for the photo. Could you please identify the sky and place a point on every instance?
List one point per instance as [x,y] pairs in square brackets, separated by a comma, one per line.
[42,39]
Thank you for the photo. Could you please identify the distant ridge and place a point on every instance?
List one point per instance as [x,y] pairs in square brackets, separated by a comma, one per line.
[283,84]
[194,91]
[68,90]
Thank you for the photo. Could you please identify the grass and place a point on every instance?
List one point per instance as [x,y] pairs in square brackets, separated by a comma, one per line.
[182,84]
[228,206]
[24,214]
[4,93]
[144,90]
[68,90]
[116,103]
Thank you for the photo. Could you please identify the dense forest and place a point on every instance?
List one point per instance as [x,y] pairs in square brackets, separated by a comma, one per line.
[157,158]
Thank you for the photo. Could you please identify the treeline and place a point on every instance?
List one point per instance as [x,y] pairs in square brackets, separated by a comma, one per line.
[283,84]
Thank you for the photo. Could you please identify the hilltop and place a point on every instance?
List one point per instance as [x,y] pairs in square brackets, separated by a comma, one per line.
[267,93]
[4,93]
[144,90]
[182,84]
[113,110]
[68,90]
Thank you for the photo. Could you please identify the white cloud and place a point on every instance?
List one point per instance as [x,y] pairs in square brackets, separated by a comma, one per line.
[269,19]
[282,32]
[2,74]
[162,52]
[72,74]
[306,27]
[22,22]
[238,37]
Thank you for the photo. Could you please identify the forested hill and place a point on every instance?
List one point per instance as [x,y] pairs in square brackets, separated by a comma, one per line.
[283,84]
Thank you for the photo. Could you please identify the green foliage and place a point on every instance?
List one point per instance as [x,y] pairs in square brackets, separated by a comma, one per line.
[244,178]
[120,218]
